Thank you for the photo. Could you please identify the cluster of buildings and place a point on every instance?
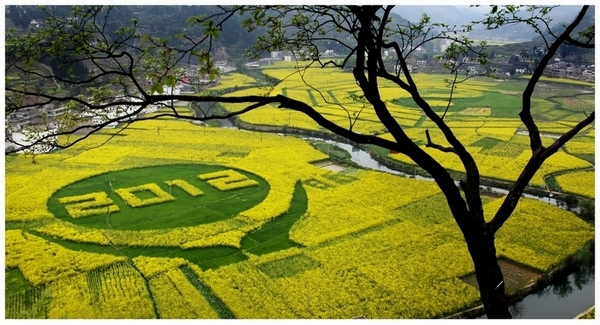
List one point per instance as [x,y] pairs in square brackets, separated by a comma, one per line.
[563,69]
[49,114]
[557,69]
[286,56]
[39,114]
[431,64]
[19,125]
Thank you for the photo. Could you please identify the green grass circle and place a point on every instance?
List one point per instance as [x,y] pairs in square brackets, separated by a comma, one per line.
[186,210]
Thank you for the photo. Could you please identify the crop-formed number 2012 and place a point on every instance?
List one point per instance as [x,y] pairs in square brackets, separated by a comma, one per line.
[98,202]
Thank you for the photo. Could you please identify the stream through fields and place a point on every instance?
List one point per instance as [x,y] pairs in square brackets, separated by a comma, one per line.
[565,298]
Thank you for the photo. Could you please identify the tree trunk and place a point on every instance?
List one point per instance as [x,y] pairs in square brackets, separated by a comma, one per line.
[489,276]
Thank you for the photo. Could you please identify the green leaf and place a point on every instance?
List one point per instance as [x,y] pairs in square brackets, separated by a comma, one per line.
[170,81]
[156,88]
[212,31]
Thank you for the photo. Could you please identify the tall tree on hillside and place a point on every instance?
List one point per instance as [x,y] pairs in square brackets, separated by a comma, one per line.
[121,66]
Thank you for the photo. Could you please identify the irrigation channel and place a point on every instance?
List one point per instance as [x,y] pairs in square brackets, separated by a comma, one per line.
[566,297]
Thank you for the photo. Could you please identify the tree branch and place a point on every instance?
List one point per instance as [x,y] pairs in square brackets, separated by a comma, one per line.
[533,165]
[430,144]
[525,114]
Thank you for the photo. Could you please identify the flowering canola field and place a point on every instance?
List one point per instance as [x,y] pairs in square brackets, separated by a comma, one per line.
[483,115]
[364,242]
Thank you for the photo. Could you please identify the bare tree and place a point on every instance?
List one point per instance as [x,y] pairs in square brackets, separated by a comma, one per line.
[129,70]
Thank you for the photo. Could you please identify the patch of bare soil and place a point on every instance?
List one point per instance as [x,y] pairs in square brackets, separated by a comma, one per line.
[330,165]
[516,277]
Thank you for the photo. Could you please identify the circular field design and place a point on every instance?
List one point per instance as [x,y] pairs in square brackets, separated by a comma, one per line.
[158,197]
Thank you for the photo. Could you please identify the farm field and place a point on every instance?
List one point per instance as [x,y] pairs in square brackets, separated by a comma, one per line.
[171,219]
[483,115]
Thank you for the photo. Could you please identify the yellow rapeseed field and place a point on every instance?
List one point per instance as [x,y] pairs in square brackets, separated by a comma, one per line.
[369,243]
[581,183]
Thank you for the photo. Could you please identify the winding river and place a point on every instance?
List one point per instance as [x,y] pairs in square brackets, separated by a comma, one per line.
[567,297]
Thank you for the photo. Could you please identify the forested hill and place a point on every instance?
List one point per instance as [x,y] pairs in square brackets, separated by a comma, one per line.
[462,15]
[168,21]
[162,21]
